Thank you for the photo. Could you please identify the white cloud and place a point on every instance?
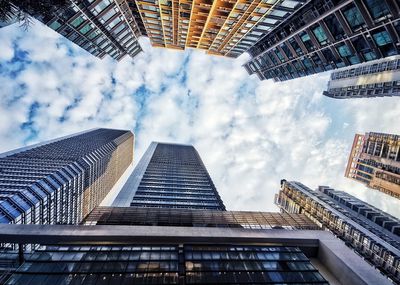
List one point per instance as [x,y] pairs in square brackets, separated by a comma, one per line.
[249,133]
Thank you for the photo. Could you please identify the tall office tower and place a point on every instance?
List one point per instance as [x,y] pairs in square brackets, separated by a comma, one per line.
[374,79]
[100,27]
[372,233]
[61,181]
[170,176]
[220,27]
[375,161]
[327,34]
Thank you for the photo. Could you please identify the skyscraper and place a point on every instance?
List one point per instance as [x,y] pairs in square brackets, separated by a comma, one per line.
[225,28]
[100,27]
[325,35]
[373,79]
[372,233]
[170,176]
[375,161]
[61,181]
[176,238]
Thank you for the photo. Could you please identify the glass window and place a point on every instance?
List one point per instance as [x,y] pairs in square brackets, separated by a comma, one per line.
[320,35]
[305,38]
[55,25]
[85,29]
[113,23]
[334,27]
[382,38]
[78,21]
[384,42]
[286,50]
[93,34]
[100,7]
[279,55]
[108,15]
[353,17]
[377,8]
[344,50]
[295,46]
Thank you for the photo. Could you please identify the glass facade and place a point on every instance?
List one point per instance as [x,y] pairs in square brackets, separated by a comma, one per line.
[61,181]
[373,79]
[370,232]
[375,161]
[325,35]
[101,27]
[167,264]
[171,176]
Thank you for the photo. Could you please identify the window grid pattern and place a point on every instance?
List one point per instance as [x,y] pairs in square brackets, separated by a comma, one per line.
[175,177]
[374,160]
[377,246]
[61,182]
[167,264]
[100,27]
[385,86]
[197,218]
[316,35]
[221,27]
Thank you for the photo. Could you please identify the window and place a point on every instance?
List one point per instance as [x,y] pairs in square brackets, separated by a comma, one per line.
[295,46]
[344,51]
[55,25]
[100,7]
[113,23]
[320,35]
[382,38]
[384,42]
[305,38]
[85,29]
[279,55]
[353,17]
[93,34]
[334,27]
[75,23]
[286,50]
[377,8]
[108,15]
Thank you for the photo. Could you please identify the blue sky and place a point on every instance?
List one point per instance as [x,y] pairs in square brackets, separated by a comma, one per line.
[250,134]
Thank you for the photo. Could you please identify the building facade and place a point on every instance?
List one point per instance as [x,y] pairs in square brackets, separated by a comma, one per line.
[325,35]
[166,232]
[101,27]
[225,28]
[375,161]
[61,181]
[373,79]
[370,232]
[170,176]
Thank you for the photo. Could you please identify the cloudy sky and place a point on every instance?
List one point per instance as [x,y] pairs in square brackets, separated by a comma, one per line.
[250,134]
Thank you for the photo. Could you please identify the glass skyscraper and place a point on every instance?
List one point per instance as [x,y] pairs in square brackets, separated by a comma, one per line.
[324,35]
[371,232]
[101,27]
[170,176]
[61,181]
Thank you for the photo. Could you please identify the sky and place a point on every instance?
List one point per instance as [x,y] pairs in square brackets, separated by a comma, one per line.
[249,133]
